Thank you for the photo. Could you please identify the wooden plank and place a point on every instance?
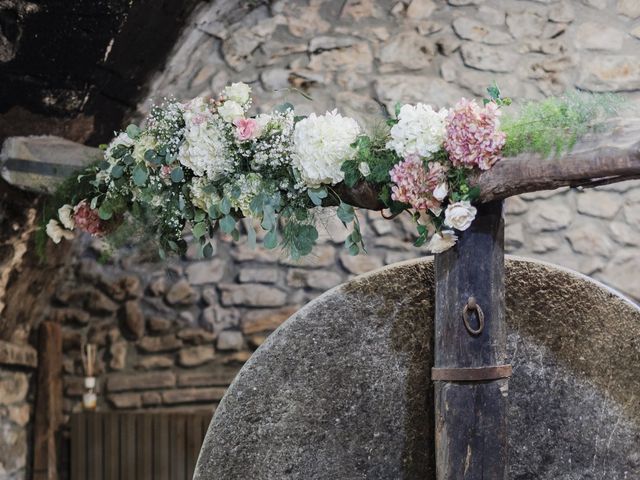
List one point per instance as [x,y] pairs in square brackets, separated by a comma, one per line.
[111,446]
[194,442]
[144,436]
[178,447]
[94,446]
[127,446]
[78,446]
[48,409]
[161,448]
[471,417]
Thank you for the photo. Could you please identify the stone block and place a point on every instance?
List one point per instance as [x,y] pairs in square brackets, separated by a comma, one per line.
[203,272]
[253,295]
[192,395]
[181,293]
[125,400]
[194,356]
[164,343]
[19,355]
[359,264]
[13,387]
[220,375]
[259,275]
[493,59]
[118,382]
[257,321]
[133,319]
[230,340]
[154,362]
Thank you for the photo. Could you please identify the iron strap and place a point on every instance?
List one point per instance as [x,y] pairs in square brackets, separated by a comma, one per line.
[476,374]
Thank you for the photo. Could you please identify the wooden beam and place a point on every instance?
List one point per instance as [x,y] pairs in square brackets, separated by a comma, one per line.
[48,410]
[471,390]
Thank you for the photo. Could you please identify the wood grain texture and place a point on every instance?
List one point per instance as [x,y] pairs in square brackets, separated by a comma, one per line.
[48,409]
[471,417]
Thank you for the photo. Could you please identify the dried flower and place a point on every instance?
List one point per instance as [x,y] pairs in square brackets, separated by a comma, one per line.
[415,185]
[473,138]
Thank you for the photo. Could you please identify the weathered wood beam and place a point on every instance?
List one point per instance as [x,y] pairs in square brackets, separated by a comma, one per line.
[470,376]
[48,411]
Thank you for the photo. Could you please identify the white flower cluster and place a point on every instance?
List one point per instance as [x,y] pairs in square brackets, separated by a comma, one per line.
[321,145]
[458,216]
[248,186]
[205,149]
[420,131]
[273,149]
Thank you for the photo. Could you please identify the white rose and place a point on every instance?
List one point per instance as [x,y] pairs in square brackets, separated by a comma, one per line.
[420,131]
[230,110]
[364,168]
[441,191]
[459,215]
[65,214]
[442,241]
[238,92]
[321,144]
[56,232]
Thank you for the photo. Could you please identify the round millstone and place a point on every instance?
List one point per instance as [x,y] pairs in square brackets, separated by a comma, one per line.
[341,390]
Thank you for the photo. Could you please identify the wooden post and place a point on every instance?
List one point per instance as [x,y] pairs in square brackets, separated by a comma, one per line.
[48,411]
[470,375]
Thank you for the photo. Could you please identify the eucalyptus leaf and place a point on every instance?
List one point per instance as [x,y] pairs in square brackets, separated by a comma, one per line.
[207,250]
[133,131]
[105,212]
[345,213]
[140,175]
[225,206]
[271,239]
[199,229]
[227,224]
[251,235]
[117,171]
[177,175]
[316,195]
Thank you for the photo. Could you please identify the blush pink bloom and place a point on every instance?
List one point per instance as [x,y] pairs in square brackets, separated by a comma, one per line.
[246,128]
[88,220]
[165,171]
[473,137]
[414,184]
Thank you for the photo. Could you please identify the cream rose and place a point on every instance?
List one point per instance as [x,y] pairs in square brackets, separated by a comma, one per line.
[230,111]
[459,215]
[442,241]
[238,92]
[65,214]
[56,232]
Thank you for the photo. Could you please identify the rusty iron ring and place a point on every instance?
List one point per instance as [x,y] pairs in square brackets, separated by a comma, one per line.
[472,305]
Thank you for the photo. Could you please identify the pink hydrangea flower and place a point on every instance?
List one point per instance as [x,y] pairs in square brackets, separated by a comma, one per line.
[473,138]
[246,128]
[87,219]
[414,184]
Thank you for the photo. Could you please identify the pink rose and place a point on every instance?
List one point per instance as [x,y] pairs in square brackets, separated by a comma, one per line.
[165,171]
[246,128]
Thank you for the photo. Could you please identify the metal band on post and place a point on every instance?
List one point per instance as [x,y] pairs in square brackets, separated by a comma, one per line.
[477,374]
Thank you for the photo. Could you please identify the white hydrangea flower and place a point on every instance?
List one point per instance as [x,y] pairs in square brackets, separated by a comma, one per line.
[249,185]
[200,197]
[65,214]
[230,111]
[420,131]
[442,241]
[204,149]
[238,92]
[321,145]
[121,139]
[459,215]
[56,232]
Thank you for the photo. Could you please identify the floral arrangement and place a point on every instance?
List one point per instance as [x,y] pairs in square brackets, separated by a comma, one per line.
[207,164]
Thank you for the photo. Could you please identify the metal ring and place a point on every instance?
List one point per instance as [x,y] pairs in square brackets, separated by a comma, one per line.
[473,306]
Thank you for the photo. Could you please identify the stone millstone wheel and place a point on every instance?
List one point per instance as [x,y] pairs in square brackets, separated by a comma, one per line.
[342,391]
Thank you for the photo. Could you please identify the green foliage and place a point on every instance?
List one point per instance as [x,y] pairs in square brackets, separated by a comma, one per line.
[554,125]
